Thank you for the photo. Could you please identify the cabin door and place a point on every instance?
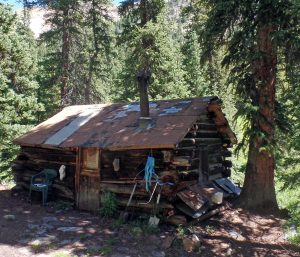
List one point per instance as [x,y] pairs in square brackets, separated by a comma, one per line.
[89,180]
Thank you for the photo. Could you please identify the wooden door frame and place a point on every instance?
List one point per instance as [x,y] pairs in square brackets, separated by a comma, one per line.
[79,171]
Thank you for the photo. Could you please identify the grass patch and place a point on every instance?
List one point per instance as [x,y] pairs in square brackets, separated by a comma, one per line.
[289,198]
[108,203]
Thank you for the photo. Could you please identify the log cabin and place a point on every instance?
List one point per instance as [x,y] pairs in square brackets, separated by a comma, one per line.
[105,149]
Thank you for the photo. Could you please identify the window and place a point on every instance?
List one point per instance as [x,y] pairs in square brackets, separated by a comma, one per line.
[91,159]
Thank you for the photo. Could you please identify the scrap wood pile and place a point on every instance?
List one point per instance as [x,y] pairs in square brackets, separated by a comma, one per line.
[187,201]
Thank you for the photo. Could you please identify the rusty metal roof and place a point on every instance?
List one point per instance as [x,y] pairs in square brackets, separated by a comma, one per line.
[115,126]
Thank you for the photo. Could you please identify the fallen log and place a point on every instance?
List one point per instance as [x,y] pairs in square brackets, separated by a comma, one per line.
[207,215]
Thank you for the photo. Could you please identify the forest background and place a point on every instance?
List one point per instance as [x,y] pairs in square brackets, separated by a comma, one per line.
[91,54]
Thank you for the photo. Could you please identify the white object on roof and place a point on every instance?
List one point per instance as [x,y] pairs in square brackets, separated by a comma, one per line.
[72,127]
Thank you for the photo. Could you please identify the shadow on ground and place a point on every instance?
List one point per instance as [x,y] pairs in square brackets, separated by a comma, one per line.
[59,231]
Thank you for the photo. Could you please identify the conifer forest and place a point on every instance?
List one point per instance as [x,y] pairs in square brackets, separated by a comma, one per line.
[247,53]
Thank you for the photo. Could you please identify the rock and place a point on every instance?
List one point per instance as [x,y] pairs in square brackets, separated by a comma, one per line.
[65,242]
[122,249]
[70,229]
[91,230]
[45,240]
[229,252]
[224,245]
[9,217]
[49,219]
[48,226]
[236,235]
[41,231]
[167,241]
[33,226]
[191,243]
[120,255]
[291,232]
[158,254]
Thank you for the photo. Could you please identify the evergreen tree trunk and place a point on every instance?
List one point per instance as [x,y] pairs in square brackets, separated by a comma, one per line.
[259,187]
[65,58]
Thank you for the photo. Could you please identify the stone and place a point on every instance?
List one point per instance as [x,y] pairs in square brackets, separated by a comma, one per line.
[166,241]
[70,229]
[229,252]
[48,226]
[158,254]
[49,219]
[41,231]
[45,240]
[10,217]
[122,249]
[120,255]
[236,235]
[191,243]
[224,245]
[33,226]
[65,242]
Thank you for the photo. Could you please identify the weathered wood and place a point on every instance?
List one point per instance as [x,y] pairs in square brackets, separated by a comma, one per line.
[176,220]
[208,215]
[140,203]
[89,193]
[123,189]
[181,161]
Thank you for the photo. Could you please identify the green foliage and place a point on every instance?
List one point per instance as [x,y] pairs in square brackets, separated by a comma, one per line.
[108,203]
[140,226]
[150,45]
[77,53]
[18,86]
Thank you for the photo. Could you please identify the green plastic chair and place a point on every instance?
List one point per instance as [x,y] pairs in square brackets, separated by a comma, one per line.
[42,182]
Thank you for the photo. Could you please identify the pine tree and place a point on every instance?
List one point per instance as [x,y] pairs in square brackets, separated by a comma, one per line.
[253,34]
[77,55]
[149,45]
[18,86]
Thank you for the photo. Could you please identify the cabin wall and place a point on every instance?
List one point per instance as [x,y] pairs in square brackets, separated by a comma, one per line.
[203,152]
[199,157]
[31,160]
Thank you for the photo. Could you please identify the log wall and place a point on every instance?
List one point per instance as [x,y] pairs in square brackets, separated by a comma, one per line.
[31,161]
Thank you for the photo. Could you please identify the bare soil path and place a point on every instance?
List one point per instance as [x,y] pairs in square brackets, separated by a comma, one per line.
[58,231]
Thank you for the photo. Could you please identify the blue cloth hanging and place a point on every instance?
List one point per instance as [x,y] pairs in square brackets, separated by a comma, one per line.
[149,171]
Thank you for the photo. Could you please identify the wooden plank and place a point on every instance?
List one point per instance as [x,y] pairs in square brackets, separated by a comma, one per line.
[90,174]
[123,189]
[192,199]
[77,175]
[140,147]
[89,193]
[139,203]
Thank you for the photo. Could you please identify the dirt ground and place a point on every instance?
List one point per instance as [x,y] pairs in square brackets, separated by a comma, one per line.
[59,231]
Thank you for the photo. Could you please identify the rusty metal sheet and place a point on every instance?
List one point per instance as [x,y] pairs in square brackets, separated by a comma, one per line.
[192,199]
[116,126]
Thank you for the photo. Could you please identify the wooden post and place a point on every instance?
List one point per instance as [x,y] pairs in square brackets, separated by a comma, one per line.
[203,167]
[200,170]
[77,175]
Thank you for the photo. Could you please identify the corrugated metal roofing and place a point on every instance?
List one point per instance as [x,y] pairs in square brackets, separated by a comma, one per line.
[115,126]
